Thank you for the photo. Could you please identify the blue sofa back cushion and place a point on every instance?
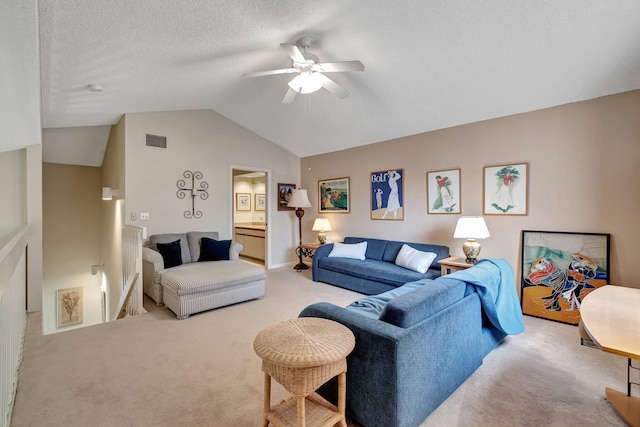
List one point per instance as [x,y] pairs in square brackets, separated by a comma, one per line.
[424,301]
[373,305]
[375,247]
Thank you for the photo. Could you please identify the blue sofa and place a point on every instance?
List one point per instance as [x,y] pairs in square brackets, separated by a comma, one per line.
[416,344]
[378,272]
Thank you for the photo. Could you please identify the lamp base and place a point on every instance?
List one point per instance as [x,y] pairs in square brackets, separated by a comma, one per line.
[322,238]
[301,266]
[471,249]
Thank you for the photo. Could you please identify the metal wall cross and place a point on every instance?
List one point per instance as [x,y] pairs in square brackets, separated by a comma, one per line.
[194,192]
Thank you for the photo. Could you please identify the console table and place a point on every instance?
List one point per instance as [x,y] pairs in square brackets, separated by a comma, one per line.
[610,316]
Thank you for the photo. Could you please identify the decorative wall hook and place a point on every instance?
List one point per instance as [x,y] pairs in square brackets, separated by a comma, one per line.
[194,192]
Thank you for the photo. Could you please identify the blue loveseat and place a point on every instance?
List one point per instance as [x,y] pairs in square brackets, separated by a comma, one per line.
[416,344]
[377,273]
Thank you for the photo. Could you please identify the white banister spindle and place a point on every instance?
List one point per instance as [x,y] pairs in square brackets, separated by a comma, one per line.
[132,268]
[13,298]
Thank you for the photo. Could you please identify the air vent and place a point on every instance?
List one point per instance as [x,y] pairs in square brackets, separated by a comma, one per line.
[156,141]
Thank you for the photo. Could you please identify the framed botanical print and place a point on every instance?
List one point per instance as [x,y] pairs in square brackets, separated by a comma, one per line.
[243,201]
[387,200]
[333,195]
[284,196]
[443,192]
[69,306]
[260,203]
[559,269]
[505,189]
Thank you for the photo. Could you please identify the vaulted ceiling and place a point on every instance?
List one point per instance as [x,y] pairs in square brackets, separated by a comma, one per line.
[429,64]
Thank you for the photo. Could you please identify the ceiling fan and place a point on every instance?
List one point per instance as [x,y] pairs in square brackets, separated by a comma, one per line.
[310,71]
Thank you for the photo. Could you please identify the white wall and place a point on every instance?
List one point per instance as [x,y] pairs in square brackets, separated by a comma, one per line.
[204,141]
[584,171]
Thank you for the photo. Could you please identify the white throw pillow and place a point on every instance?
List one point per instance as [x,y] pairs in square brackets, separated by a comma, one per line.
[414,259]
[349,250]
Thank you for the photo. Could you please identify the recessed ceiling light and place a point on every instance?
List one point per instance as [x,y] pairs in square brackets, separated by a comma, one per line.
[95,88]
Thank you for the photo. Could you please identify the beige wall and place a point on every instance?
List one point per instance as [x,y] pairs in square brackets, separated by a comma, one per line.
[584,172]
[13,209]
[113,176]
[204,141]
[72,234]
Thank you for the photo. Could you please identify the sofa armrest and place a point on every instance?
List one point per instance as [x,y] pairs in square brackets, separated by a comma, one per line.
[321,252]
[234,250]
[153,257]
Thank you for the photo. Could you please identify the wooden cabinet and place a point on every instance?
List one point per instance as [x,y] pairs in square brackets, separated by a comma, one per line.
[252,238]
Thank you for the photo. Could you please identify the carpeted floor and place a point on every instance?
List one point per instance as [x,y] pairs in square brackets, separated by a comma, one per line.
[155,370]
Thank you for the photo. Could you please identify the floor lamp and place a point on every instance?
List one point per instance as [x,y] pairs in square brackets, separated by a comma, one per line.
[299,200]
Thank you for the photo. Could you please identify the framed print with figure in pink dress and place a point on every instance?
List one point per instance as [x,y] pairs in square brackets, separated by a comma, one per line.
[505,189]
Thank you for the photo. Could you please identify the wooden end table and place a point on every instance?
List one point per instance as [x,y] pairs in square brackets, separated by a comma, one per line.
[302,354]
[454,263]
[609,315]
[305,250]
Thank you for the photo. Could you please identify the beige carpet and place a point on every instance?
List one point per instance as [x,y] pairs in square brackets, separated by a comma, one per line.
[155,370]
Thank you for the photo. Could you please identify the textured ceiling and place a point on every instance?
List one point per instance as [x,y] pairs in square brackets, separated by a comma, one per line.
[428,64]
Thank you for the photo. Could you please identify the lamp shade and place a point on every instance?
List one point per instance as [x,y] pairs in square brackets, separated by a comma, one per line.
[306,82]
[471,227]
[321,224]
[299,199]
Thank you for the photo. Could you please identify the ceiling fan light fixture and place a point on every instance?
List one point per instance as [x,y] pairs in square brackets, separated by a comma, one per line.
[306,82]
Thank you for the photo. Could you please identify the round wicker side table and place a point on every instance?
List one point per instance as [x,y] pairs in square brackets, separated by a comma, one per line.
[302,354]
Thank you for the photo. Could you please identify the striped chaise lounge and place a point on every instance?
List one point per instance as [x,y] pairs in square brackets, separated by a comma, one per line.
[187,283]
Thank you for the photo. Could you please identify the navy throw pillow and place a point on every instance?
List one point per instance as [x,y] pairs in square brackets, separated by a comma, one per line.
[214,250]
[171,253]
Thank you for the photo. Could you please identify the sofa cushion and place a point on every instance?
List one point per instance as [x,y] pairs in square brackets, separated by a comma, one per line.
[345,250]
[375,247]
[171,253]
[171,237]
[373,305]
[393,248]
[414,259]
[214,250]
[378,271]
[206,276]
[193,237]
[423,302]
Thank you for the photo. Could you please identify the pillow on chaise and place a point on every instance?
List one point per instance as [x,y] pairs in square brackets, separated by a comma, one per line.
[171,253]
[214,250]
[414,259]
[349,250]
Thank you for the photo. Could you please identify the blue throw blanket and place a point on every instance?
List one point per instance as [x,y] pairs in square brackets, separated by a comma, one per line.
[493,280]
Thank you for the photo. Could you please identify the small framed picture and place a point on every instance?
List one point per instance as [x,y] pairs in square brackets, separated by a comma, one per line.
[243,201]
[69,306]
[505,189]
[333,195]
[387,200]
[443,192]
[284,196]
[260,202]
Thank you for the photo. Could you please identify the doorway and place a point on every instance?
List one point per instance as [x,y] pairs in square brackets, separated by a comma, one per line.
[250,193]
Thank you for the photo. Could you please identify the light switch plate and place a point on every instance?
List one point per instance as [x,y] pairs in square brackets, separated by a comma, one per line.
[144,216]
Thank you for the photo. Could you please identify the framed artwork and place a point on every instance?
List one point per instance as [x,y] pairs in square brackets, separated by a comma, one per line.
[505,189]
[261,202]
[69,306]
[559,269]
[333,195]
[387,202]
[284,195]
[443,192]
[243,201]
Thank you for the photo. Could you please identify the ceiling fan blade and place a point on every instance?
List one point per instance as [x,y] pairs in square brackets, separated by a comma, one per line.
[270,72]
[289,96]
[333,87]
[334,67]
[294,52]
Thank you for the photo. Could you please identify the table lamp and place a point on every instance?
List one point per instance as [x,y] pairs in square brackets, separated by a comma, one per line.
[471,228]
[299,200]
[322,225]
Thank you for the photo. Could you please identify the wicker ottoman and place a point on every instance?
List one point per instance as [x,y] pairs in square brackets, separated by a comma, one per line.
[302,354]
